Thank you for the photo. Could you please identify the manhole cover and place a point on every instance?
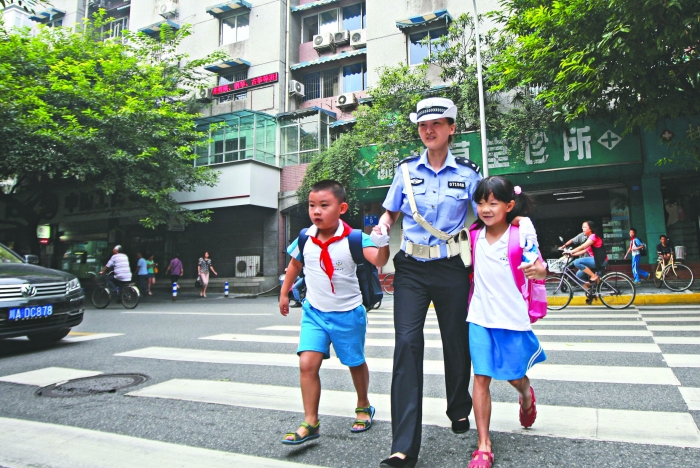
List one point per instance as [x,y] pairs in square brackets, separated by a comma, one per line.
[106,383]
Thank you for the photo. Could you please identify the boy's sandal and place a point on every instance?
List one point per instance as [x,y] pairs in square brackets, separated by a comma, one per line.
[528,416]
[312,432]
[365,423]
[478,460]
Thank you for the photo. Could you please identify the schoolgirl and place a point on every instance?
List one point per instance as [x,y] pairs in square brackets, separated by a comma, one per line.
[501,342]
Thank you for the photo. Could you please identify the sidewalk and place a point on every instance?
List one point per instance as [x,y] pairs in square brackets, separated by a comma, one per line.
[648,294]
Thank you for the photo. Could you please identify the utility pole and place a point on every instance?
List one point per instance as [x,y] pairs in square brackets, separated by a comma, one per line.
[482,110]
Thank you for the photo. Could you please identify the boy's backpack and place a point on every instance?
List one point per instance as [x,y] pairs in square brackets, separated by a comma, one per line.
[367,274]
[533,291]
[643,250]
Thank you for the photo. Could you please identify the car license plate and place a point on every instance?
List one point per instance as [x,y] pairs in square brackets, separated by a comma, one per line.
[23,313]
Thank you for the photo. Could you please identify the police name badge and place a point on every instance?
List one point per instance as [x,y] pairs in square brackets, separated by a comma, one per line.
[416,181]
[455,184]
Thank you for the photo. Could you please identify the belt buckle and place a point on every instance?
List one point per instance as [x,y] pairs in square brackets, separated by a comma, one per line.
[419,250]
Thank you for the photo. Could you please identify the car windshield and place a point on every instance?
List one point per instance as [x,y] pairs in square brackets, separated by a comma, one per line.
[6,256]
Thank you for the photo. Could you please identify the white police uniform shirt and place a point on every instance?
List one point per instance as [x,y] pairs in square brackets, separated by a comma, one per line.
[442,197]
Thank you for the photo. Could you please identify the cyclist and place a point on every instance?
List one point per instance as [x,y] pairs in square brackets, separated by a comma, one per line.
[120,264]
[665,249]
[594,246]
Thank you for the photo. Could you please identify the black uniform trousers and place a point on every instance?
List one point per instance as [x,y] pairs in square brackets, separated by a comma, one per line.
[445,282]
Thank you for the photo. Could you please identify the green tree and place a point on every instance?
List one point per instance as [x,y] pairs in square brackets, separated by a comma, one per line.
[636,59]
[99,117]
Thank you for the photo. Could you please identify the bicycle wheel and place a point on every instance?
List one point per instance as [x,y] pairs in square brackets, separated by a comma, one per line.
[559,292]
[388,284]
[678,277]
[130,296]
[616,290]
[100,298]
[658,276]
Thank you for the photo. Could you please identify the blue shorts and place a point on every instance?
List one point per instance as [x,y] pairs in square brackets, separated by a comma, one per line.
[503,354]
[346,330]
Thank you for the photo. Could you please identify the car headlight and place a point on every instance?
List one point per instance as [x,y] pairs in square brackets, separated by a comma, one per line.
[72,285]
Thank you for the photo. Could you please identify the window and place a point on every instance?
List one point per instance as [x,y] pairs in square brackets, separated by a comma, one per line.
[55,23]
[115,27]
[303,137]
[309,28]
[418,51]
[232,77]
[245,135]
[354,77]
[234,28]
[322,84]
[325,22]
[355,17]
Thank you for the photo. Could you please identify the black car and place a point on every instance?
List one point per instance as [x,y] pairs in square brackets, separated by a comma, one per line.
[38,302]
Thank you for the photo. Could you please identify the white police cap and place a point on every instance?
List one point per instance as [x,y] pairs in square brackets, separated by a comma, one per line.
[433,108]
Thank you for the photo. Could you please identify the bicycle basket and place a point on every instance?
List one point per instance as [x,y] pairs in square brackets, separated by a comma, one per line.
[557,266]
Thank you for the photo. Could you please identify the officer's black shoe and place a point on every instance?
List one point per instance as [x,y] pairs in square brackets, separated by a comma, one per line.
[460,427]
[396,462]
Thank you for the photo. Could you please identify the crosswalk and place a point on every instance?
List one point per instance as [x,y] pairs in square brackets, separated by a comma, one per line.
[590,351]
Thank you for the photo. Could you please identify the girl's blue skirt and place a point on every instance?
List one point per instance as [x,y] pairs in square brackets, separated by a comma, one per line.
[503,354]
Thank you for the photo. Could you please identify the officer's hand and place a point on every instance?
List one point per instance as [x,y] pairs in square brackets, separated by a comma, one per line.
[380,235]
[528,235]
[284,304]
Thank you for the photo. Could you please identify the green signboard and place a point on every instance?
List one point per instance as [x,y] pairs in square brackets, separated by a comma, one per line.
[582,143]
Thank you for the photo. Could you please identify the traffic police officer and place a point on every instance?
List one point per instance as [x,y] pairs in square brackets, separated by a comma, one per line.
[429,269]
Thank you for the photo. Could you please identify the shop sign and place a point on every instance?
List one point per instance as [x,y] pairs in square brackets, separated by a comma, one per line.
[43,231]
[371,220]
[581,143]
[245,84]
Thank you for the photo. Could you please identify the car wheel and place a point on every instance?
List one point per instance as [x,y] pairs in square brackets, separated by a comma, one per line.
[49,337]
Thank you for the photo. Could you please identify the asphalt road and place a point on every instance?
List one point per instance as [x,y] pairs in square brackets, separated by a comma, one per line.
[619,389]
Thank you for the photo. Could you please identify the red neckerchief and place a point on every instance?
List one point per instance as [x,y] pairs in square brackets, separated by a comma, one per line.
[325,259]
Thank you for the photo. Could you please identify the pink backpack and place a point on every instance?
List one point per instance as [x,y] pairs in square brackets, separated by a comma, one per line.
[533,291]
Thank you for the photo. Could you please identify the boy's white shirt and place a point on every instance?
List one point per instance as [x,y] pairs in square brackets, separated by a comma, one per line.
[496,302]
[318,287]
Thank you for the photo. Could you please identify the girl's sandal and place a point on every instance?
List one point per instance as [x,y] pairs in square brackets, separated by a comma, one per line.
[312,432]
[528,416]
[365,423]
[481,459]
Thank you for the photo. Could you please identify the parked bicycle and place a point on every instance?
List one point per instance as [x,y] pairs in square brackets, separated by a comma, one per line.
[388,284]
[127,293]
[673,274]
[614,289]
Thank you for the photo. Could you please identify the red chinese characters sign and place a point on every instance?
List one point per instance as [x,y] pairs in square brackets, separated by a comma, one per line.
[245,84]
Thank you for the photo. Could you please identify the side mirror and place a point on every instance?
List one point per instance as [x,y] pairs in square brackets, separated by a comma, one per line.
[33,259]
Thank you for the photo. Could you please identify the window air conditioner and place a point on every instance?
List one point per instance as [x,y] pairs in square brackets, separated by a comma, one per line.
[296,88]
[358,38]
[341,37]
[323,41]
[247,266]
[346,100]
[167,9]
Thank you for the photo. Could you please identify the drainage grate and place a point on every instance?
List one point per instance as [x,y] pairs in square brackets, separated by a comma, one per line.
[106,383]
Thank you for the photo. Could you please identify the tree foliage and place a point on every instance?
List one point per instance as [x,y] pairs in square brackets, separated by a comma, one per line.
[637,59]
[100,117]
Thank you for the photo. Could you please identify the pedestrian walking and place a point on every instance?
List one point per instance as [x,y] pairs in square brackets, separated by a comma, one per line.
[141,273]
[151,265]
[501,341]
[203,267]
[332,311]
[635,249]
[432,191]
[175,269]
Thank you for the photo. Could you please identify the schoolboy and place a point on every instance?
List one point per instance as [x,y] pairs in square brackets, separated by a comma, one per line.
[332,311]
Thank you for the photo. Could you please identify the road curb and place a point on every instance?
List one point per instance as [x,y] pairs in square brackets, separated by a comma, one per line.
[641,299]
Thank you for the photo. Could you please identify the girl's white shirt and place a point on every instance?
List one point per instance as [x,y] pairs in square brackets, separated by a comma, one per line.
[496,302]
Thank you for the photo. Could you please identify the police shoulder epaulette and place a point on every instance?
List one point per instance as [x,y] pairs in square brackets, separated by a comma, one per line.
[466,162]
[410,158]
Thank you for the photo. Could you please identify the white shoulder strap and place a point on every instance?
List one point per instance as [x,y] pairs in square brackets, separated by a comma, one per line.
[417,217]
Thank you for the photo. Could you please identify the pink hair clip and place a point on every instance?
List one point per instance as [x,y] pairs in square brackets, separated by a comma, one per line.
[517,190]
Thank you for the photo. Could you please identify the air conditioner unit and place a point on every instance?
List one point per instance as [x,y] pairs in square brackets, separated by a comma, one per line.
[341,37]
[296,88]
[346,100]
[323,41]
[358,38]
[205,96]
[248,266]
[167,9]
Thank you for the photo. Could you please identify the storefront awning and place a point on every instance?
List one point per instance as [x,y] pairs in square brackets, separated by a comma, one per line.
[309,6]
[47,15]
[330,58]
[424,19]
[227,7]
[154,29]
[304,111]
[227,65]
[341,123]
